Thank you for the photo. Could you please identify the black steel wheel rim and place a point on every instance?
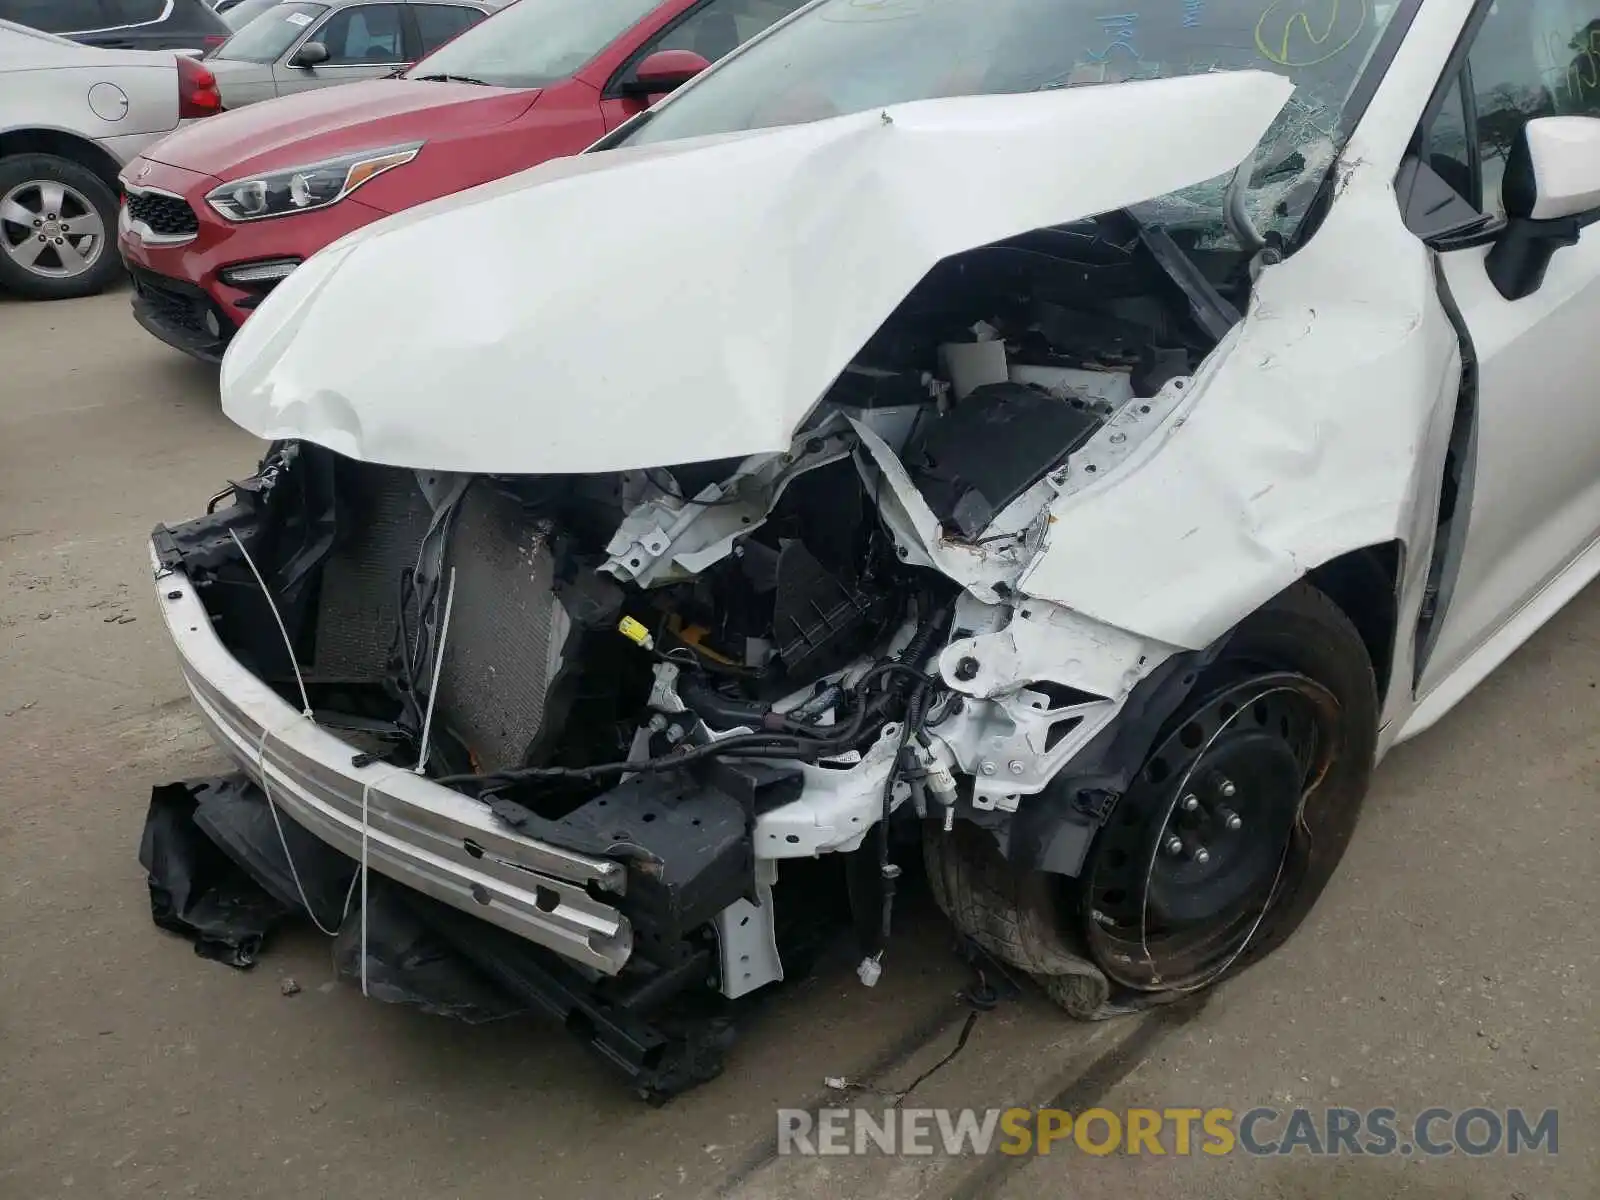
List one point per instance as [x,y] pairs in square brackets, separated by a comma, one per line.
[1212,829]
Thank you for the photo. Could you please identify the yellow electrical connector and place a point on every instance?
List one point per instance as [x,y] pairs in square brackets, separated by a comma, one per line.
[635,632]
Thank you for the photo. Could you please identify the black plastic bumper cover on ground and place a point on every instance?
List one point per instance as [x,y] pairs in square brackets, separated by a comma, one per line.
[195,888]
[218,875]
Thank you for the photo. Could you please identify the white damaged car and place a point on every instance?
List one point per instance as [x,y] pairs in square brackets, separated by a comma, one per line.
[1082,444]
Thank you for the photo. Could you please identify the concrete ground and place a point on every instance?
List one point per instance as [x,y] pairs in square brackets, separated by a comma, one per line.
[1452,962]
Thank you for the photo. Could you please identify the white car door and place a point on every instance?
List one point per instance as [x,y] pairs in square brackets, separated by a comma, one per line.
[1531,478]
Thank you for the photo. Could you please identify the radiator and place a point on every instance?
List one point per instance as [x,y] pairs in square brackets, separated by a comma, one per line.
[382,517]
[508,630]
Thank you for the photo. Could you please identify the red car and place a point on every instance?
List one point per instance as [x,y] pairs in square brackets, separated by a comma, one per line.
[216,215]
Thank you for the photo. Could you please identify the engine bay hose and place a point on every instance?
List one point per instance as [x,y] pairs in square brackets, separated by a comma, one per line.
[713,707]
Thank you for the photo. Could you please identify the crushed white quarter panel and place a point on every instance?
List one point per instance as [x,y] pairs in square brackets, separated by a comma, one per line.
[708,319]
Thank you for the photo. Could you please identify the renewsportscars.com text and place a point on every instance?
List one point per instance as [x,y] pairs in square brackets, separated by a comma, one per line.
[1433,1132]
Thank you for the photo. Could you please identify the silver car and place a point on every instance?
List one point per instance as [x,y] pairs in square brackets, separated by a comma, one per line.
[70,117]
[299,45]
[236,14]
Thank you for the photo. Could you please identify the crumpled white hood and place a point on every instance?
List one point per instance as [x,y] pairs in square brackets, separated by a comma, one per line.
[691,300]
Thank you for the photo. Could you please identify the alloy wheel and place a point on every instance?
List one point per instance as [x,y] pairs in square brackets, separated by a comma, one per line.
[51,229]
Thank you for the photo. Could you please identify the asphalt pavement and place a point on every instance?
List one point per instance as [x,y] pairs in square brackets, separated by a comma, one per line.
[1451,963]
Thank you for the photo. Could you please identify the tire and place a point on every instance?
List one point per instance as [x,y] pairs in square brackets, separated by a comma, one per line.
[1297,665]
[1014,916]
[1293,677]
[30,182]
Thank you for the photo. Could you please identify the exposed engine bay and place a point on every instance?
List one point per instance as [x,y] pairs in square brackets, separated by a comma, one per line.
[704,670]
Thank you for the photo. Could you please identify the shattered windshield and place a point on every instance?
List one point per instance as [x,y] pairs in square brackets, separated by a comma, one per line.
[842,56]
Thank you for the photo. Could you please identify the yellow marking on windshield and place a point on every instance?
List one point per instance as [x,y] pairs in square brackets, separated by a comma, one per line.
[1303,17]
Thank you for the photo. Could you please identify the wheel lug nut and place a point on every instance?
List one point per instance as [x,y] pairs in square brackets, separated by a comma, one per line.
[1229,818]
[38,222]
[1197,852]
[1172,844]
[1190,803]
[1225,787]
[58,241]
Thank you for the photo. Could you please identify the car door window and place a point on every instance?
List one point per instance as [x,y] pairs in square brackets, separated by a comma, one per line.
[364,35]
[1539,59]
[57,16]
[270,34]
[438,23]
[722,26]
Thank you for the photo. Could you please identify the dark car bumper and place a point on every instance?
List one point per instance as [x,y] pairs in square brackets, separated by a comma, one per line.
[180,314]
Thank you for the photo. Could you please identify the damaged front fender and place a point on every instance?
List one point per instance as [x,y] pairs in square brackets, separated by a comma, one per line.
[1312,431]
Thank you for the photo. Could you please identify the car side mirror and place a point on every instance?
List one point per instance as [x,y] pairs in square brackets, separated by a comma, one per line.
[1551,190]
[310,55]
[664,71]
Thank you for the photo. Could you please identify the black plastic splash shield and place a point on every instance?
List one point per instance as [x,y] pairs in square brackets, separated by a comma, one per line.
[195,889]
[410,963]
[218,875]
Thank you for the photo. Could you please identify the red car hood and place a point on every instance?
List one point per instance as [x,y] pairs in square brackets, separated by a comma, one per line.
[311,126]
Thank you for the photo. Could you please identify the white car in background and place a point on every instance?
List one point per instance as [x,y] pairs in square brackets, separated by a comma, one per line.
[70,117]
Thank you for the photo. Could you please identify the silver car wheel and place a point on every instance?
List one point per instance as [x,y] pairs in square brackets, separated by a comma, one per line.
[50,229]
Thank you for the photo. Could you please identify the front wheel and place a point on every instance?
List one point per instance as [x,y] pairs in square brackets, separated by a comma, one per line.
[1232,827]
[1243,808]
[58,222]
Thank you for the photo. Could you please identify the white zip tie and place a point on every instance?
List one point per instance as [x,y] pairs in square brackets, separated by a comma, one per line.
[438,665]
[305,700]
[422,762]
[267,731]
[294,872]
[366,790]
[366,786]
